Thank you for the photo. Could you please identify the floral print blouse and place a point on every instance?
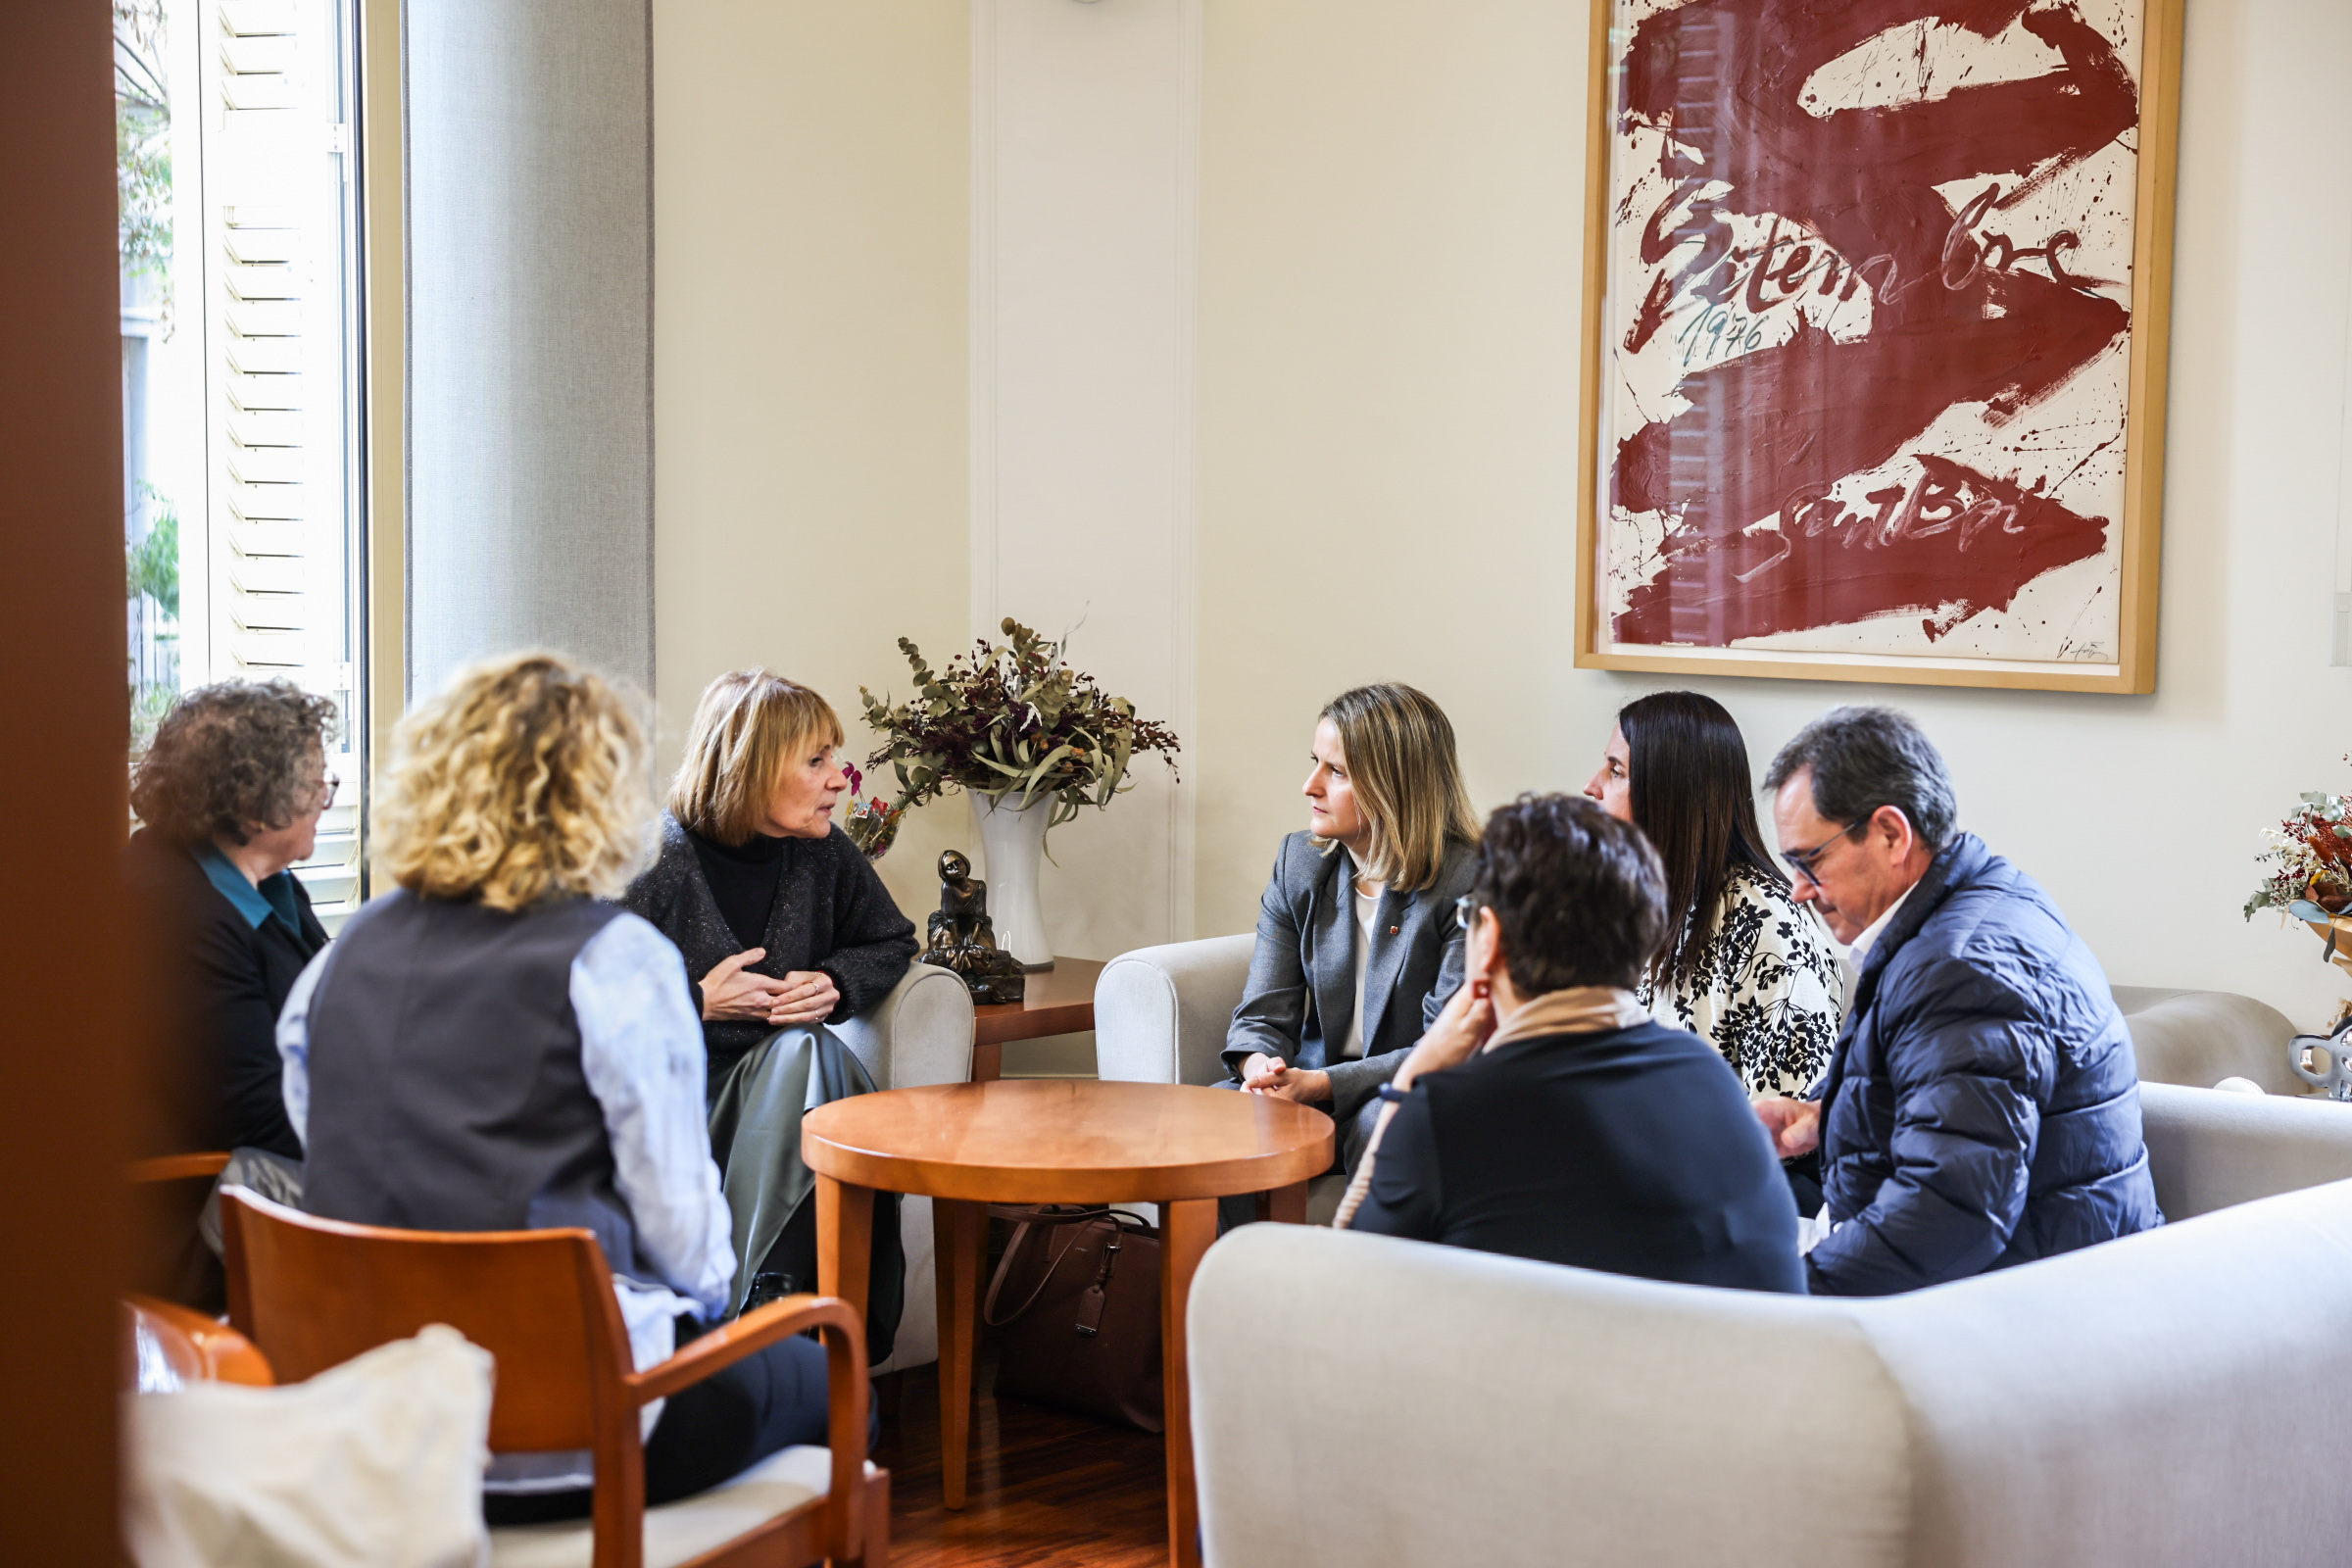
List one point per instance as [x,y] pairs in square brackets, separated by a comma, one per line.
[1768,992]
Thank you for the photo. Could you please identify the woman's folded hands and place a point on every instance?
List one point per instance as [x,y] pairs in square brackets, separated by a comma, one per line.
[730,991]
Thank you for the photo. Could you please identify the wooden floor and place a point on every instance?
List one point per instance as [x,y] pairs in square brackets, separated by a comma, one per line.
[1047,1490]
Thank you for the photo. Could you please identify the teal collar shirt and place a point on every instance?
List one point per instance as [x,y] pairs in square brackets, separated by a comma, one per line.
[274,896]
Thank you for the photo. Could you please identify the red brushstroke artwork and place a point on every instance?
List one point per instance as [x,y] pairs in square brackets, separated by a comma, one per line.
[1869,326]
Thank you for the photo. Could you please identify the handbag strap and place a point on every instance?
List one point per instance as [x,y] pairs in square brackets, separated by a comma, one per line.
[1119,1218]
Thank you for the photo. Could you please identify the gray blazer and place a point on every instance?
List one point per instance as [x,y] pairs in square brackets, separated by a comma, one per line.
[1301,990]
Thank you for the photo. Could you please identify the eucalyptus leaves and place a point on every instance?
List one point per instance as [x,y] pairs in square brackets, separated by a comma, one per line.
[1015,722]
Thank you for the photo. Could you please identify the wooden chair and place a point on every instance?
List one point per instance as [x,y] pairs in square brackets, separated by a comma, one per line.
[313,1292]
[188,1346]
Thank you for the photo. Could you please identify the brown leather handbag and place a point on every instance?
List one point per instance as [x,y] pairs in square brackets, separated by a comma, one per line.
[1084,1334]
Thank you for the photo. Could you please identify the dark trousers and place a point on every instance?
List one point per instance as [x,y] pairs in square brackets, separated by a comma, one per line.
[718,1428]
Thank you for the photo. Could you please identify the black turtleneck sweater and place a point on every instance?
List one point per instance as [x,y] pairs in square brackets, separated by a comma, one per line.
[743,882]
[815,904]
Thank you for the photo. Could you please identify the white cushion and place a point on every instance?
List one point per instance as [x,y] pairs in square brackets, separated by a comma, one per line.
[679,1532]
[377,1463]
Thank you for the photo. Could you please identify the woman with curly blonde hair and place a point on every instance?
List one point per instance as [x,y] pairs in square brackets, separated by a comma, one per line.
[494,1044]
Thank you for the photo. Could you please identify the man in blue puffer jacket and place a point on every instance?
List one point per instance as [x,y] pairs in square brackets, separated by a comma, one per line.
[1983,1105]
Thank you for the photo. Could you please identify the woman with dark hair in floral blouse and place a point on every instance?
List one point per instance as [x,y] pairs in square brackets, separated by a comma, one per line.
[1745,967]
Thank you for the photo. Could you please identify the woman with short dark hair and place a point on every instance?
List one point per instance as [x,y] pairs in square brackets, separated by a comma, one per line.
[1744,966]
[1546,1114]
[229,797]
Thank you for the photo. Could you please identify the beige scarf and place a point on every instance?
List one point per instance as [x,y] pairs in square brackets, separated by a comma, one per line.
[1576,1010]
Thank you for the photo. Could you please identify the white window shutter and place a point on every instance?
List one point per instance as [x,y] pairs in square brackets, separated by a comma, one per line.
[279,366]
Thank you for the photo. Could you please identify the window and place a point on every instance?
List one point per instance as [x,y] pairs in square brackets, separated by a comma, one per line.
[240,367]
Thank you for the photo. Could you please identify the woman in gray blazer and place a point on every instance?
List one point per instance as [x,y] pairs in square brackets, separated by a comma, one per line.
[1358,940]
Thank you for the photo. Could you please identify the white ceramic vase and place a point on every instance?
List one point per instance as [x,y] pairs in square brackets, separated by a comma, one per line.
[1012,840]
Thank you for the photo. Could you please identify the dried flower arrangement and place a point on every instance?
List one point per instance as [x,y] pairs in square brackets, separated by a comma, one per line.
[1015,722]
[873,822]
[2311,860]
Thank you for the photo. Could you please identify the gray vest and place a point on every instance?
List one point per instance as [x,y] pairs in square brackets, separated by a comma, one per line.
[445,1087]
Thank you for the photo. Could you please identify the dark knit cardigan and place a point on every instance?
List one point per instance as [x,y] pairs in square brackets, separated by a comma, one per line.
[831,913]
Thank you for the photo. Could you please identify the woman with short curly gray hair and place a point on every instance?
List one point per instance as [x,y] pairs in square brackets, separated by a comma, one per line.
[229,797]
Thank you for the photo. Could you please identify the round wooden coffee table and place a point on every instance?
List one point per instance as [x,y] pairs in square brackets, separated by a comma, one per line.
[1054,1141]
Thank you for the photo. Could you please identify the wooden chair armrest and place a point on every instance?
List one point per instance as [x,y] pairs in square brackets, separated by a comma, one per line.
[221,1354]
[177,1167]
[754,1331]
[844,1336]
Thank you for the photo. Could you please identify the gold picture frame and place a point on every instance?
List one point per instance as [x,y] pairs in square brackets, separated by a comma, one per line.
[1820,553]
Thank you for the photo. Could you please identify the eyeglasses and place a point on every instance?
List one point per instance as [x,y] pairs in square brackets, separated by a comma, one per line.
[325,791]
[1465,910]
[1802,860]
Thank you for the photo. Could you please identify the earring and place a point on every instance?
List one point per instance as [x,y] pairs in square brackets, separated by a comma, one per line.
[1480,990]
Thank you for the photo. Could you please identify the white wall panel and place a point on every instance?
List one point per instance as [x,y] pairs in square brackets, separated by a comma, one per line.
[1083,194]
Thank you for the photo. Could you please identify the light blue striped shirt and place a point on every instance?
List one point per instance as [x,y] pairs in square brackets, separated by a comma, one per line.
[641,1049]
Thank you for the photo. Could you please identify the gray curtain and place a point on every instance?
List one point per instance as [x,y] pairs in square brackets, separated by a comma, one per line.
[530,412]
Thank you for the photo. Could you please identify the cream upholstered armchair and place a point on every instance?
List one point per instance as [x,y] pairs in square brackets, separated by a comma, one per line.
[2158,1401]
[2201,1037]
[1160,1013]
[922,1033]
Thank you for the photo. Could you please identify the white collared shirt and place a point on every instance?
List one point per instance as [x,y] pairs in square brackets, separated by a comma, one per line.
[1859,949]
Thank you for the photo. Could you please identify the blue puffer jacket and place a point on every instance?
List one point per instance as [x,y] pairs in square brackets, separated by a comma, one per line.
[1983,1107]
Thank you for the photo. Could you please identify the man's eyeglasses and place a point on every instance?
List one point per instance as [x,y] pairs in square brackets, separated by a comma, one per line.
[1803,860]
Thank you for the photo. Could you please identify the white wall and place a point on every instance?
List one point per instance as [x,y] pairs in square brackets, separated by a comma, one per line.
[1085,123]
[1384,295]
[809,374]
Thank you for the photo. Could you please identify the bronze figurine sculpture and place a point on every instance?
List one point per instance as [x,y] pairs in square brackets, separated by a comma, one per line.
[962,939]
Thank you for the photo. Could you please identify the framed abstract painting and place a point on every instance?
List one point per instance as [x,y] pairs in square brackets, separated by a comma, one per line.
[1875,339]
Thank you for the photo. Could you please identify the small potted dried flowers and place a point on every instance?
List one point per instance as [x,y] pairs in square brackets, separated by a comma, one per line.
[1030,738]
[2311,871]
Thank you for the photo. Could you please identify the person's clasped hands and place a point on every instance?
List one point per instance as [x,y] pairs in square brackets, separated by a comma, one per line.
[731,990]
[1262,1074]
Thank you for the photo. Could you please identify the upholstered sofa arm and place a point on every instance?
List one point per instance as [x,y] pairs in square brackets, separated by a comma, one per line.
[2209,1149]
[1160,1013]
[920,1033]
[1500,1412]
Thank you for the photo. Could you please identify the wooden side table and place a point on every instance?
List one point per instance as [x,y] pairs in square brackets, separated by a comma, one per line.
[1054,1141]
[1060,1001]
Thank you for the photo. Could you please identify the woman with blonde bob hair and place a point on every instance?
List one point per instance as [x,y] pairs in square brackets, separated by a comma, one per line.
[494,1044]
[782,921]
[1358,941]
[787,929]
